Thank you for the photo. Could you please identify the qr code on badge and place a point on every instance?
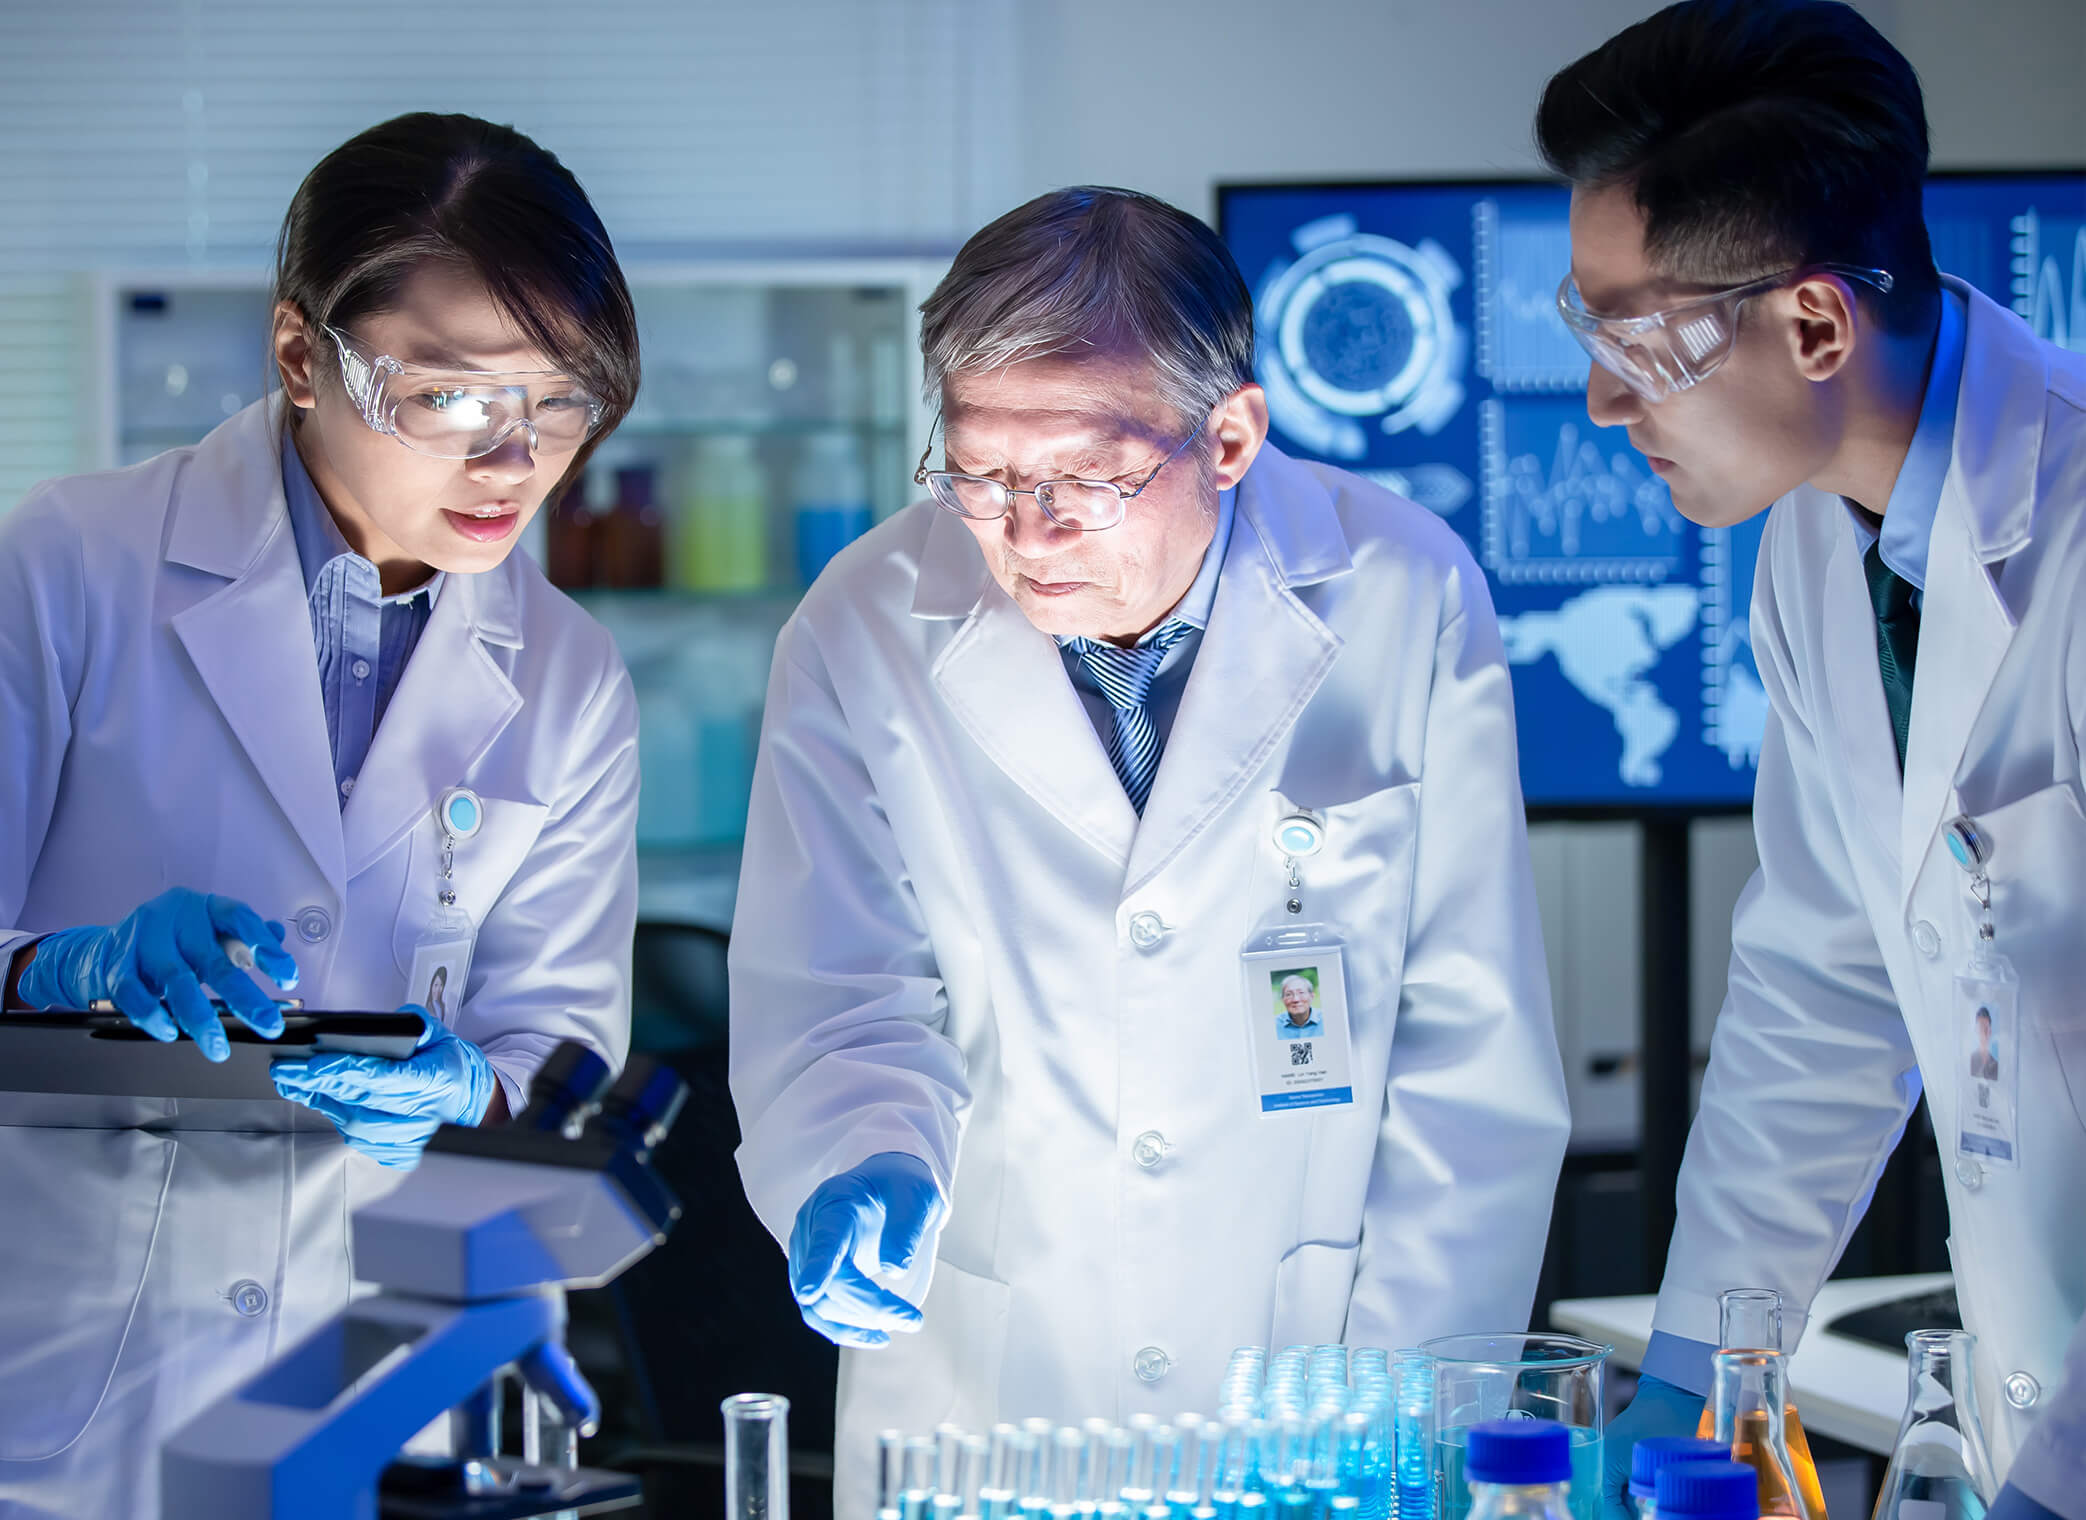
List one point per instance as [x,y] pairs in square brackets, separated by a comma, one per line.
[1300,1053]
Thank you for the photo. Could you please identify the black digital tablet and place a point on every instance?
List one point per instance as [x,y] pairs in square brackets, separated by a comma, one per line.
[105,1055]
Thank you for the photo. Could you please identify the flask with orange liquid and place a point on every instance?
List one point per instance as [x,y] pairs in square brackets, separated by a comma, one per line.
[1750,1404]
[1750,1319]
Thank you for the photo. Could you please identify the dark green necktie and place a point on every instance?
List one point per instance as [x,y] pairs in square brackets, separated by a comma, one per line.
[1897,641]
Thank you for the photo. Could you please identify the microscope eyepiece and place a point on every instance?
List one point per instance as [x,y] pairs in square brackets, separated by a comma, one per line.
[567,1083]
[639,1109]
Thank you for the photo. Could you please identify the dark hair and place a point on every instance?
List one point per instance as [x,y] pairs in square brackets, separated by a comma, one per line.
[1091,265]
[479,196]
[1756,135]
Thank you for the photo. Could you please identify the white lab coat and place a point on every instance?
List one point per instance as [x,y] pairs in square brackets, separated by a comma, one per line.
[160,698]
[956,939]
[1846,942]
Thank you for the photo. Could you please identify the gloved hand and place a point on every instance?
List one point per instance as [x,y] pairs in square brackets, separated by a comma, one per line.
[884,1209]
[389,1110]
[153,966]
[1660,1409]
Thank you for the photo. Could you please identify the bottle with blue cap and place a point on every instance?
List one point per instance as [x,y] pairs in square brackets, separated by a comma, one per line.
[1651,1456]
[1519,1468]
[1724,1490]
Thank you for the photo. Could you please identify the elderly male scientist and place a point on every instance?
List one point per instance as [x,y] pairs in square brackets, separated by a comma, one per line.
[1000,1046]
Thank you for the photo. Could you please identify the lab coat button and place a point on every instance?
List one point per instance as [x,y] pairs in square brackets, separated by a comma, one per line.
[1152,1364]
[1969,1173]
[1149,1148]
[347,787]
[2023,1390]
[1929,942]
[247,1298]
[1146,930]
[313,924]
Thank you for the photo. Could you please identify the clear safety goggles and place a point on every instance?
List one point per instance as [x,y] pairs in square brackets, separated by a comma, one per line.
[1667,351]
[462,414]
[1086,506]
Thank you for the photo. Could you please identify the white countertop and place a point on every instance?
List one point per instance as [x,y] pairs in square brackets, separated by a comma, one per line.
[1846,1389]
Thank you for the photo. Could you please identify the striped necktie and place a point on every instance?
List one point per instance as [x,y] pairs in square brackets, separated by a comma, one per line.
[1125,678]
[1897,641]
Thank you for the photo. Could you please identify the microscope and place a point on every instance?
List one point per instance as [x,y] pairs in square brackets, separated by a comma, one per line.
[473,1254]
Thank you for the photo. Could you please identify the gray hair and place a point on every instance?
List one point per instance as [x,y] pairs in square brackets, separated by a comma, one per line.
[1093,267]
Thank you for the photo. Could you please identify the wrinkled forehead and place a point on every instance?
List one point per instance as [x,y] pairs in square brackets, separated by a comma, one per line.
[1055,404]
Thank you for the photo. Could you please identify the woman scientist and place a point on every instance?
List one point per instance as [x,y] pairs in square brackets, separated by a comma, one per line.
[290,696]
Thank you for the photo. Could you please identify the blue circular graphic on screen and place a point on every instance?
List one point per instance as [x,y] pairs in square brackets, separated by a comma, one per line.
[1359,337]
[1360,327]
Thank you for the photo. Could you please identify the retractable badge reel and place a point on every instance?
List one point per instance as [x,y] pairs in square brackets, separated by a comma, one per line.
[1295,982]
[1986,1012]
[442,957]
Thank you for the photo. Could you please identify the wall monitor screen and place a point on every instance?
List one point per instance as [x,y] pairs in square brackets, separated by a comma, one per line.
[1408,332]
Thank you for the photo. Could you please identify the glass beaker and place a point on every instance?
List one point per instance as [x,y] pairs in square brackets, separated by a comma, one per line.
[1750,1319]
[1939,1468]
[1510,1376]
[756,1456]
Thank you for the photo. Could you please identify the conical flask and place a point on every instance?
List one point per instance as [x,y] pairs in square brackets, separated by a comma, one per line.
[1750,1319]
[1939,1469]
[1751,1401]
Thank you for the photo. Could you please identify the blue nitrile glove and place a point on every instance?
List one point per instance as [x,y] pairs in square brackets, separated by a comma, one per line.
[153,966]
[389,1110]
[1660,1409]
[884,1207]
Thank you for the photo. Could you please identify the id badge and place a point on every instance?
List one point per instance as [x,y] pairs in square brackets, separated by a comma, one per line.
[442,958]
[1295,983]
[441,964]
[1986,1013]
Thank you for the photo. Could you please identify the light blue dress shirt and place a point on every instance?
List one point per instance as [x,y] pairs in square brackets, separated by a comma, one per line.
[1908,525]
[363,637]
[1164,699]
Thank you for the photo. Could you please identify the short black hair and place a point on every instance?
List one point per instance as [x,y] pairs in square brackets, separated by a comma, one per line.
[455,189]
[1756,135]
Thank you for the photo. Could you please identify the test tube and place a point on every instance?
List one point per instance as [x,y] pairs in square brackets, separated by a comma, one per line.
[1031,1467]
[916,1495]
[1413,1452]
[756,1457]
[996,1495]
[890,1472]
[1068,1483]
[1184,1493]
[947,1500]
[970,1477]
[1117,1460]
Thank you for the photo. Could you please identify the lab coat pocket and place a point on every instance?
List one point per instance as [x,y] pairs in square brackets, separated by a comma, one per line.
[1312,1286]
[83,1211]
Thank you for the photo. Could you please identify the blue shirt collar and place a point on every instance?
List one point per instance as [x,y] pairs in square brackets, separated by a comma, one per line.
[1194,608]
[319,540]
[1908,518]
